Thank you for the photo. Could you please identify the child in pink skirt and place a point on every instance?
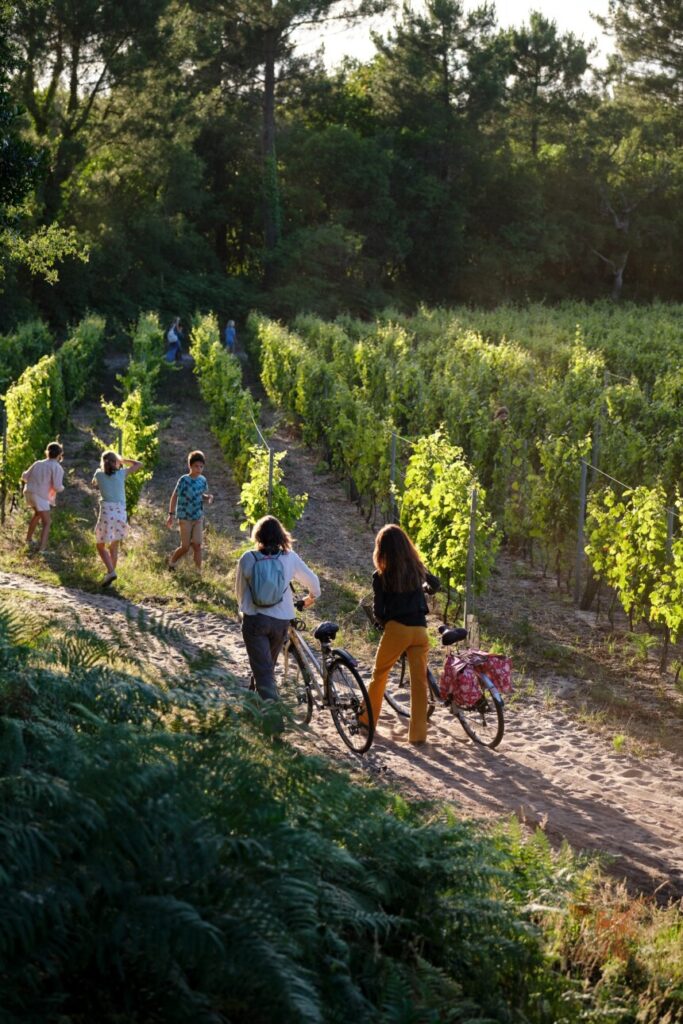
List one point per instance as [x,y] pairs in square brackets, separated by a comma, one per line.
[112,522]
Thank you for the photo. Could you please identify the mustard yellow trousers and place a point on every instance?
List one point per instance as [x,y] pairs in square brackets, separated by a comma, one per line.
[396,639]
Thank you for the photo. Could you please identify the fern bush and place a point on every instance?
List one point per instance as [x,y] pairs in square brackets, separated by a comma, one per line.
[163,861]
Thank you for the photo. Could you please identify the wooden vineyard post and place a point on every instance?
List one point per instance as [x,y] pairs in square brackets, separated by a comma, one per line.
[270,479]
[3,465]
[579,538]
[669,533]
[392,479]
[469,572]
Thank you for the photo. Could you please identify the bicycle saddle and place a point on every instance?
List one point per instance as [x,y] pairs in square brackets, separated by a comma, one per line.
[452,636]
[326,631]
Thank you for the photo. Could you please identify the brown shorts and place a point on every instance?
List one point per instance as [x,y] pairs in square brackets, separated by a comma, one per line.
[191,531]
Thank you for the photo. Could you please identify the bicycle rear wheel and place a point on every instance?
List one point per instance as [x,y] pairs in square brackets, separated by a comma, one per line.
[398,698]
[485,722]
[294,686]
[347,698]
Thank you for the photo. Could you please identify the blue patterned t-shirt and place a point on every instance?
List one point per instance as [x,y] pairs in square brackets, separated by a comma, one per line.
[190,490]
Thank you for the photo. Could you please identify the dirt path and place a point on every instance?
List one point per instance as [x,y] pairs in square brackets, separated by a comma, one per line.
[549,771]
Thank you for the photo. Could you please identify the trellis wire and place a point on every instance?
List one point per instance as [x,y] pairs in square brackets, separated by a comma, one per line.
[271,460]
[671,514]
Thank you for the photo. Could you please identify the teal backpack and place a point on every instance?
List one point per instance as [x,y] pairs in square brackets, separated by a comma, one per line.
[267,583]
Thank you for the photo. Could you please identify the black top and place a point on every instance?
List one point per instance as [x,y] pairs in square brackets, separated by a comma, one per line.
[410,608]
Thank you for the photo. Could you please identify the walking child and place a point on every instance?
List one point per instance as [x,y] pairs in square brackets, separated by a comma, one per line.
[43,480]
[187,506]
[112,522]
[230,337]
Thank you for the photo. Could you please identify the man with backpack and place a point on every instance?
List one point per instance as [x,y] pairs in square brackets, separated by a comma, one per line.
[262,585]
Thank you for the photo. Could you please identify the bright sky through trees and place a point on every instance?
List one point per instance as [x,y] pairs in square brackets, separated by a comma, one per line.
[570,15]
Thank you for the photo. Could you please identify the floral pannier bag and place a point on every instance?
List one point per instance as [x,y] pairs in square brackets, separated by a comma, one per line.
[459,681]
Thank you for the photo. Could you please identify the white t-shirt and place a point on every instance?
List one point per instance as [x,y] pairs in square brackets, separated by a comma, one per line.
[294,569]
[44,479]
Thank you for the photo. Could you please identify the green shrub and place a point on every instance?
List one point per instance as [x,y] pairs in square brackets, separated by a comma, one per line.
[136,419]
[36,412]
[79,358]
[254,494]
[233,412]
[25,346]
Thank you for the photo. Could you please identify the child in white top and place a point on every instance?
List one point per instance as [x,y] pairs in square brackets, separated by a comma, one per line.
[42,482]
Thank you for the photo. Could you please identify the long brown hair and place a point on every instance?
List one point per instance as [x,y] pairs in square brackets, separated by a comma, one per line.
[110,462]
[270,533]
[397,561]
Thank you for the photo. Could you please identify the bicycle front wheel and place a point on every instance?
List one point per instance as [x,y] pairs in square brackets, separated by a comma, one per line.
[294,687]
[484,723]
[347,698]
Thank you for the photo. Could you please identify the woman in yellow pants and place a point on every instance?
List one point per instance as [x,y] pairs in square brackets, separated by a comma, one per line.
[400,607]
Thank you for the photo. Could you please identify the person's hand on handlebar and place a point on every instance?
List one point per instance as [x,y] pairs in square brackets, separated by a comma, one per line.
[304,602]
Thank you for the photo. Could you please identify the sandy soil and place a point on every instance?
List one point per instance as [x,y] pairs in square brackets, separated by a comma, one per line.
[549,771]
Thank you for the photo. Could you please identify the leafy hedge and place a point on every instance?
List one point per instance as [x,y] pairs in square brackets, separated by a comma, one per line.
[38,403]
[232,411]
[136,419]
[319,384]
[24,347]
[36,412]
[234,418]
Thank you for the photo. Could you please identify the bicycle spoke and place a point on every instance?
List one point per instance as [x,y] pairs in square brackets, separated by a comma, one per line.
[295,692]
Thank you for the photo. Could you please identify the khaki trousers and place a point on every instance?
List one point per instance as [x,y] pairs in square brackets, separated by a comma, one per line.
[396,639]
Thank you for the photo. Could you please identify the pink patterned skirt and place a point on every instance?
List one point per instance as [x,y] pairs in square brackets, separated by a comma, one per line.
[112,522]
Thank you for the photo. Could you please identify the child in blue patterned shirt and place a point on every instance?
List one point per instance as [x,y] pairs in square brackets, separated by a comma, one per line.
[187,506]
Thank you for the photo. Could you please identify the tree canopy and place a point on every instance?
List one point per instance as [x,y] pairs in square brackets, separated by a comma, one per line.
[203,162]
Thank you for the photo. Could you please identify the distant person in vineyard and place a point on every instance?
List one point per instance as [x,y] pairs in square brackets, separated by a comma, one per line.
[112,522]
[173,340]
[187,505]
[265,598]
[182,339]
[400,608]
[230,337]
[42,482]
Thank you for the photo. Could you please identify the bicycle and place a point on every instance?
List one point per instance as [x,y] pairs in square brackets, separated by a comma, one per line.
[484,722]
[333,682]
